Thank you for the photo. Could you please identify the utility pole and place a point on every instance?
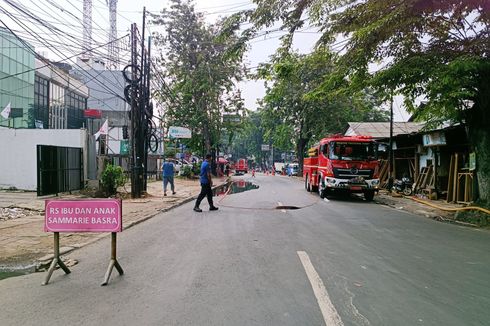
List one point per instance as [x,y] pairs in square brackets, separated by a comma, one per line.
[138,94]
[147,108]
[390,159]
[135,163]
[142,104]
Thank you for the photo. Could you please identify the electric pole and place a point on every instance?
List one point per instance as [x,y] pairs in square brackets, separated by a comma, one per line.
[390,159]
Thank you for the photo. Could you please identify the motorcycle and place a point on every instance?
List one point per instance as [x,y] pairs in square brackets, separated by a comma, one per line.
[404,186]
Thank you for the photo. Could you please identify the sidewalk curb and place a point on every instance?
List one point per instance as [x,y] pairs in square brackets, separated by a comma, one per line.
[158,211]
[433,213]
[44,262]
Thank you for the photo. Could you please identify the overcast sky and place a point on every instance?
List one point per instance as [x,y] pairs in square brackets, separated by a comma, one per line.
[67,15]
[260,49]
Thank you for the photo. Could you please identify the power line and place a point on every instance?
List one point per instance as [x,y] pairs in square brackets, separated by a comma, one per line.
[33,18]
[48,64]
[55,70]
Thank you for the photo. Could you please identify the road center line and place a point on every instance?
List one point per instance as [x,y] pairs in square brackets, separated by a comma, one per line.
[330,314]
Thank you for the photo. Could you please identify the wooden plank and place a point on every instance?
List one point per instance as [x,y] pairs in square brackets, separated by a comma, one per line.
[431,178]
[458,193]
[455,178]
[450,180]
[421,176]
[423,180]
[394,170]
[416,167]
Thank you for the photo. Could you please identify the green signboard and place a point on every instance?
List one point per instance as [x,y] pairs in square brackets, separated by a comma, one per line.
[124,147]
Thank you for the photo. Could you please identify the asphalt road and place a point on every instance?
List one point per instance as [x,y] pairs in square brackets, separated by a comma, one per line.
[337,262]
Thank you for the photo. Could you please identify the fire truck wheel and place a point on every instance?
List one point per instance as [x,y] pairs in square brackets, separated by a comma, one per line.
[321,191]
[307,183]
[369,195]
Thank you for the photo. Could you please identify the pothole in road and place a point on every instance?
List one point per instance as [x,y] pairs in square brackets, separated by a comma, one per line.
[235,187]
[287,207]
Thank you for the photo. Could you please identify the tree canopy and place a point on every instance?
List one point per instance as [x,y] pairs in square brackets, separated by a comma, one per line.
[295,113]
[201,66]
[434,52]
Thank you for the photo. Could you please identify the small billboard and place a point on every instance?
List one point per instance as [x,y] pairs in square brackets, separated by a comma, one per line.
[179,132]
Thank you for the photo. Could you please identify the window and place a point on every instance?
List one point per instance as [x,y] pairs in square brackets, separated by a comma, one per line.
[351,151]
[75,106]
[41,101]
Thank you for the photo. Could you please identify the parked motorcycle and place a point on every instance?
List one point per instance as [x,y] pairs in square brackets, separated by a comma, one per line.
[404,186]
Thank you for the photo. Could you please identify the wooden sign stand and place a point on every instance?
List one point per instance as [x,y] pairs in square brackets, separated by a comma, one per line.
[113,263]
[93,215]
[56,260]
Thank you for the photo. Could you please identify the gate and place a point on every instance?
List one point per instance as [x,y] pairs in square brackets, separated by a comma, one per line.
[59,169]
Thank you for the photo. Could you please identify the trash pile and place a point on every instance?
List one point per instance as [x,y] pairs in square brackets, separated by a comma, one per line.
[9,213]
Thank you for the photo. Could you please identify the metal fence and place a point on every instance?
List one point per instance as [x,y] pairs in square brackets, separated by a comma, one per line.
[59,169]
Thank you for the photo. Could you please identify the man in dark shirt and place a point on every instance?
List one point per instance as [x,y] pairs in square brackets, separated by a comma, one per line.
[206,185]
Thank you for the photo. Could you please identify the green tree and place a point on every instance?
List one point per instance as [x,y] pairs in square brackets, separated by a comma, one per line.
[202,65]
[296,112]
[437,51]
[246,139]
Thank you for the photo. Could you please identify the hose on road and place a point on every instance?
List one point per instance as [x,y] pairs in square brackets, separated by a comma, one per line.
[481,209]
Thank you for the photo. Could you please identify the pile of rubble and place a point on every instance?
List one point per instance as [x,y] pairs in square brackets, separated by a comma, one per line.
[10,213]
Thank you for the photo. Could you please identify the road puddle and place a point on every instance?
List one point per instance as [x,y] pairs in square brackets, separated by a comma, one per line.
[12,271]
[235,187]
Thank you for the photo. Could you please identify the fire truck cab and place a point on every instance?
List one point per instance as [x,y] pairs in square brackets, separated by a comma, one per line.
[342,164]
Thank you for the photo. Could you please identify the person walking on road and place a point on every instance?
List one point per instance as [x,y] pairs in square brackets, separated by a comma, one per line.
[168,168]
[206,184]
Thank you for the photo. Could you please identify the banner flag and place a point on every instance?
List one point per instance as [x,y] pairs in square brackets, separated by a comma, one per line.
[104,129]
[6,112]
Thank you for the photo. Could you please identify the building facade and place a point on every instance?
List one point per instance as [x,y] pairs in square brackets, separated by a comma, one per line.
[59,99]
[16,81]
[41,95]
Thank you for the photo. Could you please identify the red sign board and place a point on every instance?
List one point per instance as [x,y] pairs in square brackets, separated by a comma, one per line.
[86,215]
[92,113]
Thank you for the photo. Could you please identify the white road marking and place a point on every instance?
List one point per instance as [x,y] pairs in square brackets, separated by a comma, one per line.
[330,314]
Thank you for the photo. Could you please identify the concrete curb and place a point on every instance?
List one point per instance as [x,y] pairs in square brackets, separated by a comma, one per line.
[44,262]
[163,210]
[407,205]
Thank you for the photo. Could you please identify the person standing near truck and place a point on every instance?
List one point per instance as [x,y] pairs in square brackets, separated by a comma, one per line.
[206,186]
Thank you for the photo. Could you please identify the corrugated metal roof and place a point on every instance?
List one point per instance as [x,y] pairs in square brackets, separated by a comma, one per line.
[382,129]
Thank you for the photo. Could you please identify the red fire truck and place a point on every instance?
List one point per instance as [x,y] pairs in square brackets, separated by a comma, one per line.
[241,166]
[342,164]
